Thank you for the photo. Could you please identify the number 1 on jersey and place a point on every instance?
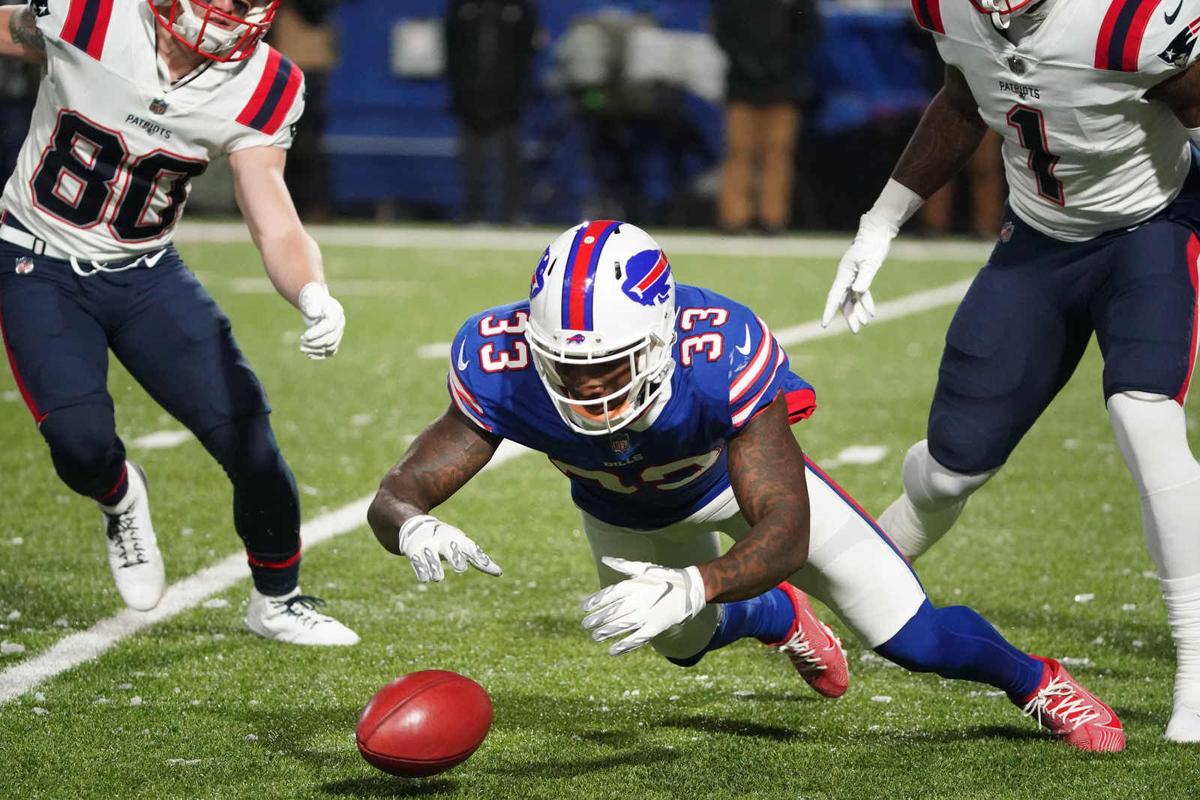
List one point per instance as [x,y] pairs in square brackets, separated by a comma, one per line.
[1031,130]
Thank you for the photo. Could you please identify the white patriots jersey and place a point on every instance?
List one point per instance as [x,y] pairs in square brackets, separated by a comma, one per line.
[1084,151]
[104,171]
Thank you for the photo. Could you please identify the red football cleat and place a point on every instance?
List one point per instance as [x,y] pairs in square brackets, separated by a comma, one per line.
[1066,709]
[813,649]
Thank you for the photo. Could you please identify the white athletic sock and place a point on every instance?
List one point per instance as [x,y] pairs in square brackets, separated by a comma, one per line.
[933,499]
[1151,431]
[1182,598]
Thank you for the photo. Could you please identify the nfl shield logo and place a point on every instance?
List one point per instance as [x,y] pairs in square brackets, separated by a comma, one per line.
[1006,231]
[619,443]
[158,106]
[24,265]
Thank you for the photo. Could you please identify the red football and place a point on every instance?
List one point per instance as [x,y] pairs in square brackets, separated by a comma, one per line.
[424,723]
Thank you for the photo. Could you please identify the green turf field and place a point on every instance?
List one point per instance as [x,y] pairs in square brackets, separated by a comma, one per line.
[196,707]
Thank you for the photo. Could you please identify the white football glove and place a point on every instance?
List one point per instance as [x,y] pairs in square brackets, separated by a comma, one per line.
[851,285]
[649,602]
[427,540]
[325,319]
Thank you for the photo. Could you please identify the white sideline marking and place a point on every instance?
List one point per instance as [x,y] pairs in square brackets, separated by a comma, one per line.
[860,454]
[907,305]
[346,287]
[161,440]
[435,350]
[84,646]
[533,241]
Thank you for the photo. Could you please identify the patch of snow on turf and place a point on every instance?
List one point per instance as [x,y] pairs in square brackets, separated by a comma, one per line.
[1086,597]
[881,698]
[216,602]
[11,648]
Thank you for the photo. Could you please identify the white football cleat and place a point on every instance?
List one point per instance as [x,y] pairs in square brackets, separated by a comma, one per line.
[293,618]
[1184,726]
[133,555]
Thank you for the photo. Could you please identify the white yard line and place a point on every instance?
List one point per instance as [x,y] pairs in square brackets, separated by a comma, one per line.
[904,306]
[532,241]
[858,454]
[79,648]
[160,440]
[909,304]
[346,287]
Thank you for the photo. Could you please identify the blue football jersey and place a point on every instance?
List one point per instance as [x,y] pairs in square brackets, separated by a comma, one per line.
[658,470]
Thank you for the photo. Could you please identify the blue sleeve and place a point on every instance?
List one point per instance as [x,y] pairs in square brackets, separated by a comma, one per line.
[487,352]
[744,368]
[758,368]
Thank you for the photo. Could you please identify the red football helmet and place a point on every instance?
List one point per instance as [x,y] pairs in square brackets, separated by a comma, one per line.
[1002,10]
[223,30]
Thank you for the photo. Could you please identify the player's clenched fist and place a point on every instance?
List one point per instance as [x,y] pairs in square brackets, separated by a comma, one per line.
[649,602]
[426,540]
[325,321]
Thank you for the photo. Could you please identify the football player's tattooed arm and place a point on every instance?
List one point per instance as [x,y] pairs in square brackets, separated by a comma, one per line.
[291,257]
[19,34]
[1182,93]
[439,462]
[766,468]
[945,139]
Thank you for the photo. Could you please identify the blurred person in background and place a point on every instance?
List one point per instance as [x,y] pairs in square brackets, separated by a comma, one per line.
[302,32]
[490,46]
[18,90]
[765,42]
[980,186]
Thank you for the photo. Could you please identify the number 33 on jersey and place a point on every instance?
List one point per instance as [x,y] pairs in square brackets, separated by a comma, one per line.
[104,171]
[729,367]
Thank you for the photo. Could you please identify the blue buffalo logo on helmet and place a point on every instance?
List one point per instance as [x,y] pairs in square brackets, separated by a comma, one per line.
[539,275]
[647,278]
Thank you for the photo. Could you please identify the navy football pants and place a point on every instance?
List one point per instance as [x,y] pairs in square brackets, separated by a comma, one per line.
[173,339]
[1028,317]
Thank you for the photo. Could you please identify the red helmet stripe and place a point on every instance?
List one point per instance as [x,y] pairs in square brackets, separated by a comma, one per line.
[577,308]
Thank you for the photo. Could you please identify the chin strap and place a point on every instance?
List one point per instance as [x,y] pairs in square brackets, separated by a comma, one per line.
[993,8]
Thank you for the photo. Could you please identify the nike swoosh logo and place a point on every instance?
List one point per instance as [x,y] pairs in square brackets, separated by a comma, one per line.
[1170,18]
[462,362]
[745,348]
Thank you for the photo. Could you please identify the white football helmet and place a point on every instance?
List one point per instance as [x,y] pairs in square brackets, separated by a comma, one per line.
[603,294]
[1002,11]
[214,33]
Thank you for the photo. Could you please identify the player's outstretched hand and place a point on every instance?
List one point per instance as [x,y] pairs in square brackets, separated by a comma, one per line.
[427,540]
[325,321]
[851,285]
[649,602]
